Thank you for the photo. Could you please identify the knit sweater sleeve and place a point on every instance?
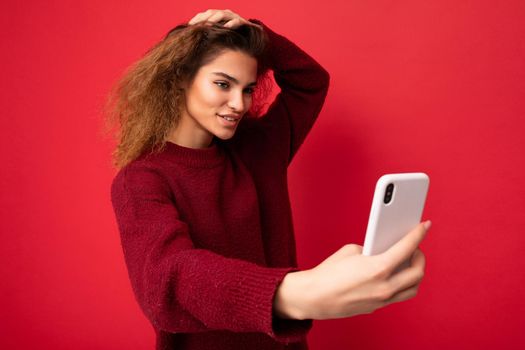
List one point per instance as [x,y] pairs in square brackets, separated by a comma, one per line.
[181,288]
[303,83]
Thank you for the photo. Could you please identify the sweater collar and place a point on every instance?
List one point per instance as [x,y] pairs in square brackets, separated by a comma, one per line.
[195,157]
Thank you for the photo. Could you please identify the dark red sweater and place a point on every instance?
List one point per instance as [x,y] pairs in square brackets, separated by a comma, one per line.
[207,234]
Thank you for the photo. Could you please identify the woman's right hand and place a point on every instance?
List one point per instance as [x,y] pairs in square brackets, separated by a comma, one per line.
[229,18]
[348,283]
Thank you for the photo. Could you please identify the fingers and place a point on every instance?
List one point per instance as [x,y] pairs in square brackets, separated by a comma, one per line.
[234,23]
[405,284]
[202,16]
[410,276]
[403,295]
[344,252]
[217,16]
[231,19]
[405,248]
[418,259]
[349,249]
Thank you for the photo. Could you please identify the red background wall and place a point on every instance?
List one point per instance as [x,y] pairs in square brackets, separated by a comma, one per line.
[434,86]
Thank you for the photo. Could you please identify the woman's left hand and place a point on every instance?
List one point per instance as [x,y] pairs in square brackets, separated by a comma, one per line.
[229,18]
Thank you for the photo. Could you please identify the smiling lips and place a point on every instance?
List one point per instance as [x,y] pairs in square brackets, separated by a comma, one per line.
[230,119]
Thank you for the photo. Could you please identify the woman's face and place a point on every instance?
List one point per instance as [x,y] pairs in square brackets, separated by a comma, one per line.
[217,99]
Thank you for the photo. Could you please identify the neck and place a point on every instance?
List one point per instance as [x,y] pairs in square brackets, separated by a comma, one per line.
[188,133]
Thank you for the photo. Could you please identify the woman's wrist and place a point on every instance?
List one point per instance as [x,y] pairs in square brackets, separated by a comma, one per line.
[291,297]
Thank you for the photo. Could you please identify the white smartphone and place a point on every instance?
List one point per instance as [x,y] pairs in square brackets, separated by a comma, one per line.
[397,206]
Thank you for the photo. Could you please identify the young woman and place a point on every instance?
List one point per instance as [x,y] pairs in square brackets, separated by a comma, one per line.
[201,197]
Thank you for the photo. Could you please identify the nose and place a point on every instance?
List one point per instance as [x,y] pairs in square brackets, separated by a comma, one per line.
[237,102]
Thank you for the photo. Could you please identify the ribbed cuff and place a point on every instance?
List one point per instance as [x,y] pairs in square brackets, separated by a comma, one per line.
[255,293]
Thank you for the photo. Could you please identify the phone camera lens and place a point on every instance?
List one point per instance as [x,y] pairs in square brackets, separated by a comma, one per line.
[388,193]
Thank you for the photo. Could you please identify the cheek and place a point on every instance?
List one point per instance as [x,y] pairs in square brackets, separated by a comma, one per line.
[205,96]
[248,101]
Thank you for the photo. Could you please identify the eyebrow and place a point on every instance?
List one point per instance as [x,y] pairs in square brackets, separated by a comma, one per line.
[229,77]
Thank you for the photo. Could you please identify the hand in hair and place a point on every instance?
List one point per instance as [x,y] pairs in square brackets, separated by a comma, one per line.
[227,18]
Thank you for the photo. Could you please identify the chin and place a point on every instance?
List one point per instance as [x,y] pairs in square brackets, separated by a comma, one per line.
[225,135]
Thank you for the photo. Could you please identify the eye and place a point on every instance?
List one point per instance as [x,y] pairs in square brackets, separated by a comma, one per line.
[222,84]
[249,90]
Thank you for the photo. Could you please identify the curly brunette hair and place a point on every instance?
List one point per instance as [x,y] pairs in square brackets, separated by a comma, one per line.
[145,103]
